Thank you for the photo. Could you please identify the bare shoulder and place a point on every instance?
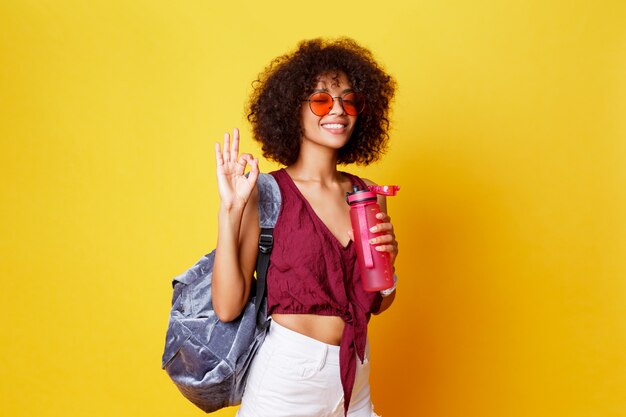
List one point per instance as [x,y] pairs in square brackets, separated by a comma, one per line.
[368,181]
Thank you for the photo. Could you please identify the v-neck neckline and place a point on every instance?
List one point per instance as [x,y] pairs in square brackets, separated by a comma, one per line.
[315,215]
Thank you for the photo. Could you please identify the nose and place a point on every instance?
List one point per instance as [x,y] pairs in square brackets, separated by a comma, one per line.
[337,106]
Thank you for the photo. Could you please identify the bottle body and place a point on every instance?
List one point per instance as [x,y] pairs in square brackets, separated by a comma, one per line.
[375,266]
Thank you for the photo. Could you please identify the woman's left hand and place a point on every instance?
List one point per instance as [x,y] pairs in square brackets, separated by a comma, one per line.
[386,242]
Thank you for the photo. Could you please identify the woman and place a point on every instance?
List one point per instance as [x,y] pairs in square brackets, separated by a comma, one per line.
[325,104]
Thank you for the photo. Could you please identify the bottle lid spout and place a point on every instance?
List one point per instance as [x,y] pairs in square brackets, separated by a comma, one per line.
[388,190]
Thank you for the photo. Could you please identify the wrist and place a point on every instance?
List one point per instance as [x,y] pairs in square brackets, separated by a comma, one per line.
[229,220]
[389,291]
[231,209]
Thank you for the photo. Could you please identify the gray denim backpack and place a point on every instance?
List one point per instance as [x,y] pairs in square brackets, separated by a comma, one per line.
[207,359]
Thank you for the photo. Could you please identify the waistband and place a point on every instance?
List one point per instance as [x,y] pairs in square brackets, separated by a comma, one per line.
[304,345]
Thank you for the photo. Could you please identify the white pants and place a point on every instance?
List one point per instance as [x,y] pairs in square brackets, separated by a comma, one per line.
[293,375]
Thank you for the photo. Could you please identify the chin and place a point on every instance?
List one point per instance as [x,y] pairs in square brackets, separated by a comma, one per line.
[336,143]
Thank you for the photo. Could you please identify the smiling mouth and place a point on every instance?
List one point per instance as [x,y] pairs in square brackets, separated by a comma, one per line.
[334,125]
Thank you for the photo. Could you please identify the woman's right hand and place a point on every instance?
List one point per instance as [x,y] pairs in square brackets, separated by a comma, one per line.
[234,187]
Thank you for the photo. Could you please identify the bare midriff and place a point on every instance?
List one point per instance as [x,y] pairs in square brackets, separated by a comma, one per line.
[326,329]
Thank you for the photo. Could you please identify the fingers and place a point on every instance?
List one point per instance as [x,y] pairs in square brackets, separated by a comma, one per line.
[218,155]
[229,153]
[254,170]
[382,227]
[243,160]
[386,242]
[226,150]
[234,149]
[384,217]
[389,244]
[393,249]
[382,239]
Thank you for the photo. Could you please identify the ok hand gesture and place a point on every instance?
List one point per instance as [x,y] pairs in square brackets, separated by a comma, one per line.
[234,187]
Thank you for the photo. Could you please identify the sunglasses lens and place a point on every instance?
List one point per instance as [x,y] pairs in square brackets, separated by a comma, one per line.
[321,103]
[353,103]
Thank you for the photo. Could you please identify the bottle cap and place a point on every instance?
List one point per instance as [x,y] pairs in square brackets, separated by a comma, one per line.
[358,195]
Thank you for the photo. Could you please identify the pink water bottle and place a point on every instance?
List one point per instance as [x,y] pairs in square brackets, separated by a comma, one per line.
[376,269]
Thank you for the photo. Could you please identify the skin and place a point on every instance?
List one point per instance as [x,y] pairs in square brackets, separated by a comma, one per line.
[324,187]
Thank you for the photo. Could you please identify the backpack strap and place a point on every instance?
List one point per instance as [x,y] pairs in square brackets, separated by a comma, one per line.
[269,207]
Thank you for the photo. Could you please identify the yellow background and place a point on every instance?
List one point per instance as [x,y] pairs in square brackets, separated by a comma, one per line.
[509,141]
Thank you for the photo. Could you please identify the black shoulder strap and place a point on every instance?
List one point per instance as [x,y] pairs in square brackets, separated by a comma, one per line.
[269,207]
[266,242]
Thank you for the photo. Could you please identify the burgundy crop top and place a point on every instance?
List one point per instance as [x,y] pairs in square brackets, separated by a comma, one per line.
[311,272]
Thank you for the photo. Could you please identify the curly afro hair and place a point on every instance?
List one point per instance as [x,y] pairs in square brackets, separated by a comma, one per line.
[274,106]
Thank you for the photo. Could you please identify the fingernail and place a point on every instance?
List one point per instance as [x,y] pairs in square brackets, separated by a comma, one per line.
[373,229]
[372,240]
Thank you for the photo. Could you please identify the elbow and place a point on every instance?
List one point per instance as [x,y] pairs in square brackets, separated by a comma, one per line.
[228,301]
[224,310]
[226,315]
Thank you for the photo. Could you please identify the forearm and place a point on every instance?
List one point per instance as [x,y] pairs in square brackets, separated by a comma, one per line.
[230,287]
[386,303]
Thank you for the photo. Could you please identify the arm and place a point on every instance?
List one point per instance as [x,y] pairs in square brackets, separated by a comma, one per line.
[386,243]
[387,301]
[238,230]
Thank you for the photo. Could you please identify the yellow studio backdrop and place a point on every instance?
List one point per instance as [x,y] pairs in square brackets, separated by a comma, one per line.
[509,142]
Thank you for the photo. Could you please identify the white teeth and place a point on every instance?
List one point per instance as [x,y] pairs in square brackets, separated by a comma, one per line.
[333,125]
